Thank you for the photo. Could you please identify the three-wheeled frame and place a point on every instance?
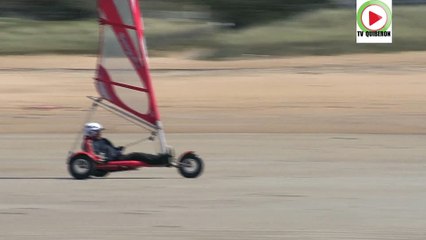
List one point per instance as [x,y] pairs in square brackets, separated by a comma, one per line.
[82,165]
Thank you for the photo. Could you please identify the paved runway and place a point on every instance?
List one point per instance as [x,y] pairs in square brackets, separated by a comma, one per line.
[255,186]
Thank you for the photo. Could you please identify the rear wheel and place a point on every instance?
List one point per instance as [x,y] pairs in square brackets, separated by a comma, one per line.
[190,166]
[81,167]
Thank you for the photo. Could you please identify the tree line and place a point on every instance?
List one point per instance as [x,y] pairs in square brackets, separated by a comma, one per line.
[239,12]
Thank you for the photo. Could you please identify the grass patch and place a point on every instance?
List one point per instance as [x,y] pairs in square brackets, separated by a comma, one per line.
[321,32]
[20,36]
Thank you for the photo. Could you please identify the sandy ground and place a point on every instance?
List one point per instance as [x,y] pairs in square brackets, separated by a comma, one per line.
[256,186]
[346,94]
[298,148]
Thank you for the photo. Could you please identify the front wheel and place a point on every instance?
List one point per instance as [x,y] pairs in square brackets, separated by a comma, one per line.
[81,167]
[190,166]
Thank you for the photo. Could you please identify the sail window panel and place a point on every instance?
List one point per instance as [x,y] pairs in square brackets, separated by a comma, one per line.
[136,100]
[102,90]
[110,46]
[125,11]
[135,40]
[115,61]
[144,50]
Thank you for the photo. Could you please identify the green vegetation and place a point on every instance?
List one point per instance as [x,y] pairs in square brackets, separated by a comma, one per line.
[20,36]
[49,9]
[239,12]
[321,32]
[248,12]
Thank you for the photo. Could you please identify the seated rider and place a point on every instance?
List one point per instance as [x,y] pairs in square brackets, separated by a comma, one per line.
[95,143]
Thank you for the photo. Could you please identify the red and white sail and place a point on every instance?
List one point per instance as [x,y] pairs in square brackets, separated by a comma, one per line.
[123,76]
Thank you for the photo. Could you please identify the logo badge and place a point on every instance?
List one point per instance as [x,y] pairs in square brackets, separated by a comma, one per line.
[374,21]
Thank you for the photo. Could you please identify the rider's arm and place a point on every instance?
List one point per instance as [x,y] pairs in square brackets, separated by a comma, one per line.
[108,142]
[88,146]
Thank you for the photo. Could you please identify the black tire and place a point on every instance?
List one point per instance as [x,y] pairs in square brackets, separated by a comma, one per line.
[190,166]
[100,173]
[81,167]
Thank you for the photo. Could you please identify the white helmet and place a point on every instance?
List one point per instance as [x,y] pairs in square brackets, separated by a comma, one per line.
[91,129]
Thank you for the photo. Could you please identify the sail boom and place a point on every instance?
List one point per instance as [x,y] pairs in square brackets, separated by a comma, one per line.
[124,85]
[106,22]
[119,112]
